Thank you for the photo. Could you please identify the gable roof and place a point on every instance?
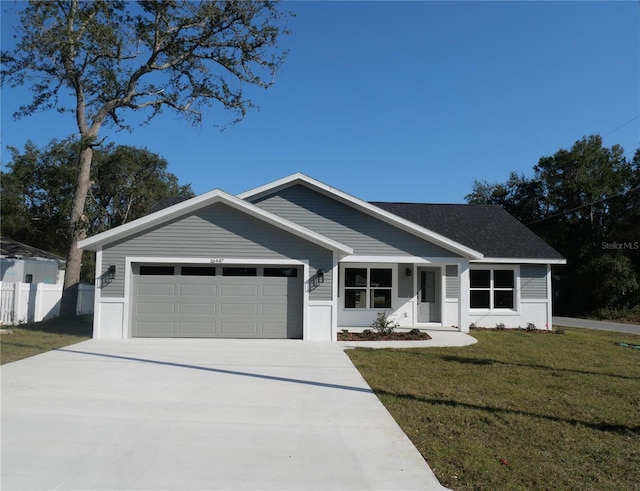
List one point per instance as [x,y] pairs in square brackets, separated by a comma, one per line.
[489,229]
[12,249]
[398,221]
[191,205]
[486,233]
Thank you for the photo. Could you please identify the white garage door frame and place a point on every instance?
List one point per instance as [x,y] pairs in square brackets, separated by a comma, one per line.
[218,261]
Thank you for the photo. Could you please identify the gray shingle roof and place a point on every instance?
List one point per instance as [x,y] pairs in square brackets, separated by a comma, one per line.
[13,249]
[488,229]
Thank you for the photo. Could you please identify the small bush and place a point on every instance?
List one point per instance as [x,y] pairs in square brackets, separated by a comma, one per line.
[367,333]
[383,324]
[500,326]
[344,334]
[531,327]
[473,326]
[415,332]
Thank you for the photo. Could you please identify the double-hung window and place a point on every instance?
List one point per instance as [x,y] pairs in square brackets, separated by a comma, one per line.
[368,288]
[492,289]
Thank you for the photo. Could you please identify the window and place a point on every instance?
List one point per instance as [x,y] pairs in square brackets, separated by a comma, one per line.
[156,270]
[367,288]
[492,288]
[281,272]
[239,271]
[198,271]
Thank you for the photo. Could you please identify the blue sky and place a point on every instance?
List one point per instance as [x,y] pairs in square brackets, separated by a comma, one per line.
[404,101]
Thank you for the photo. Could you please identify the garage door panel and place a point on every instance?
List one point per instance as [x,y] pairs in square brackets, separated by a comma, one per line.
[238,329]
[155,308]
[156,289]
[217,305]
[274,290]
[274,309]
[197,308]
[239,309]
[154,328]
[203,328]
[199,290]
[272,329]
[238,291]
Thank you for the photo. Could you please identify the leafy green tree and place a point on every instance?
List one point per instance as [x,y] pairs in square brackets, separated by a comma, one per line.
[35,195]
[115,57]
[37,192]
[520,196]
[585,202]
[127,183]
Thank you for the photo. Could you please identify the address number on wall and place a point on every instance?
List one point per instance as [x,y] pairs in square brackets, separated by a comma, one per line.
[216,260]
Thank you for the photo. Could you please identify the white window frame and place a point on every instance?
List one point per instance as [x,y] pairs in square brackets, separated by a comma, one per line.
[368,288]
[492,289]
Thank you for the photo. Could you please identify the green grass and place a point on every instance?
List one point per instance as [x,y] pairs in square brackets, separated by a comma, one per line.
[32,339]
[518,410]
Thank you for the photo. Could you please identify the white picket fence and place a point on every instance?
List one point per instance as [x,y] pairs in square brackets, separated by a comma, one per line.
[34,302]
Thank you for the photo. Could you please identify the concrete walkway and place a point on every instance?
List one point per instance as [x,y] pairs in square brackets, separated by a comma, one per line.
[591,324]
[200,414]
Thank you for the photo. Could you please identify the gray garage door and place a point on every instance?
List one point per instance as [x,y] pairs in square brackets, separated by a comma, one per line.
[217,301]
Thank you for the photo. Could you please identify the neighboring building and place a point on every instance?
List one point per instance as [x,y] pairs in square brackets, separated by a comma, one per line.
[297,258]
[21,263]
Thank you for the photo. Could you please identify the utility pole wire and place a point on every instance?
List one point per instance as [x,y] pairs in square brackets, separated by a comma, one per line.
[564,212]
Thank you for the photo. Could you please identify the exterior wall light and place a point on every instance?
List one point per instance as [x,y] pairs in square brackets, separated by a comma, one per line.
[407,271]
[111,272]
[320,275]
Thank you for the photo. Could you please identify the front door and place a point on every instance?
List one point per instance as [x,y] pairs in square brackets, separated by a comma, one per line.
[429,295]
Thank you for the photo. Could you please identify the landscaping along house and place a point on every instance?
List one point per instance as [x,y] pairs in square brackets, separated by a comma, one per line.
[297,258]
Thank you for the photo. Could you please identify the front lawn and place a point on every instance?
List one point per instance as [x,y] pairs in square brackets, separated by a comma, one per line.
[32,339]
[518,410]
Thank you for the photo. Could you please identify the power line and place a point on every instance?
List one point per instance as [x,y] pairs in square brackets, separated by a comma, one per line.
[564,212]
[622,125]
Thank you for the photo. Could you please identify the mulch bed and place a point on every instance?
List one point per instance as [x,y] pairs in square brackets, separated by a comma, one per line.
[396,336]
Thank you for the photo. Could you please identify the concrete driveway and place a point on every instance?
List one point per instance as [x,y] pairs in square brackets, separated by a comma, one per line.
[204,414]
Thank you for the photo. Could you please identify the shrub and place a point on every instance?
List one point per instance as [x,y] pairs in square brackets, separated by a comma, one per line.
[500,326]
[530,327]
[415,332]
[367,333]
[383,324]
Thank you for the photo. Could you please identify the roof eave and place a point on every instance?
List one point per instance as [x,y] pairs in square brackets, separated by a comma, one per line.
[520,260]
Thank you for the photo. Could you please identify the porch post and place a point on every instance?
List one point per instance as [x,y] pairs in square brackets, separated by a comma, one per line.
[549,325]
[464,296]
[335,275]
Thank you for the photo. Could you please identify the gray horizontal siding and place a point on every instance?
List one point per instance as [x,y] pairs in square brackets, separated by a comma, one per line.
[405,283]
[218,231]
[533,281]
[364,233]
[453,282]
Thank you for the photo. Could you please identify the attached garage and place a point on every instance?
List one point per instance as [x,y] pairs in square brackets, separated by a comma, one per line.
[215,301]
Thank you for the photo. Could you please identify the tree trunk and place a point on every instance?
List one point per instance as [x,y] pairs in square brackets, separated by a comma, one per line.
[78,231]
